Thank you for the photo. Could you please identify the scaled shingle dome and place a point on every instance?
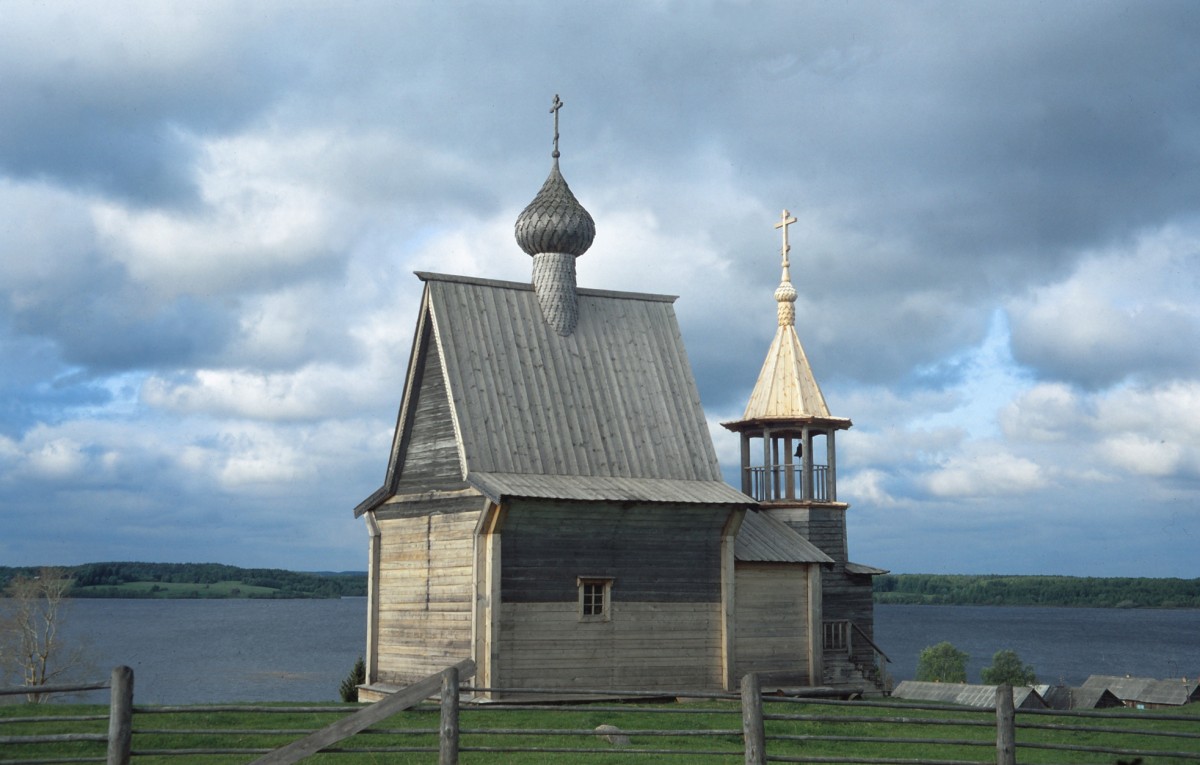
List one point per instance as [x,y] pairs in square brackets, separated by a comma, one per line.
[555,221]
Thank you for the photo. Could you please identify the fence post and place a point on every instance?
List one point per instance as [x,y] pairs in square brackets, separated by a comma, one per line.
[753,733]
[120,716]
[1006,726]
[448,750]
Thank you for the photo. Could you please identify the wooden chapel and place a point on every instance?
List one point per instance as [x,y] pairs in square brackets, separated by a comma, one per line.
[554,510]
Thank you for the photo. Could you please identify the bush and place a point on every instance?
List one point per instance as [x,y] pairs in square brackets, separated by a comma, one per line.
[349,687]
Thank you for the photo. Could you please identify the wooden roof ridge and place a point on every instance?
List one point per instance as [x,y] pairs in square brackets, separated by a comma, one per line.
[429,276]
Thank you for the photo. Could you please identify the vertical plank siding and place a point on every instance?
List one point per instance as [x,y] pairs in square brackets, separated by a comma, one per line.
[426,580]
[771,604]
[430,457]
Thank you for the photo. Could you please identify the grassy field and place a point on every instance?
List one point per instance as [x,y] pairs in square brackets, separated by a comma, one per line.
[834,736]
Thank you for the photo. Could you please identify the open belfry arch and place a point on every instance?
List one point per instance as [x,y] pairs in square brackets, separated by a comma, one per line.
[553,507]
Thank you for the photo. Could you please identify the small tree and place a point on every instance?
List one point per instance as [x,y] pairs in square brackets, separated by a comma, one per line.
[1007,669]
[30,645]
[942,663]
[357,676]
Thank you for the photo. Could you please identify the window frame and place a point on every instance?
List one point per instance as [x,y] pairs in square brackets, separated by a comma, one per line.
[587,593]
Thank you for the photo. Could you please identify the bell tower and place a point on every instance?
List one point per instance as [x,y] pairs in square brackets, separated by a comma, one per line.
[789,449]
[789,465]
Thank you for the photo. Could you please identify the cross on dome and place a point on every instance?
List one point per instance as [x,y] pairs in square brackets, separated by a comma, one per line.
[558,104]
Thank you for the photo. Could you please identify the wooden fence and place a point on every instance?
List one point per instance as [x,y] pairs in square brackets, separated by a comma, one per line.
[771,729]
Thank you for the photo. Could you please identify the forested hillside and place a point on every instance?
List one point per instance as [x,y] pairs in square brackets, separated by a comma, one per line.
[199,580]
[1095,592]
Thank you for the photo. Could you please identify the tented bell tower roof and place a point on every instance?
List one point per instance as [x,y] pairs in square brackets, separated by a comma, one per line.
[786,389]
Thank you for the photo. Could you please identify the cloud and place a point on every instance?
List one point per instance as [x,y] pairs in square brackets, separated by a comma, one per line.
[210,215]
[979,475]
[1124,313]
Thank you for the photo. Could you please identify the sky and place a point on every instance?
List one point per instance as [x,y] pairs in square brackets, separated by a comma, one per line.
[210,214]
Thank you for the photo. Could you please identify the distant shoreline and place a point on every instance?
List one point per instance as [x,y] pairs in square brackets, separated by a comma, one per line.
[177,581]
[202,581]
[1036,590]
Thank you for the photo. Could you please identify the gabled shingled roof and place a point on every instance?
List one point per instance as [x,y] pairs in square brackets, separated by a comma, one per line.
[609,412]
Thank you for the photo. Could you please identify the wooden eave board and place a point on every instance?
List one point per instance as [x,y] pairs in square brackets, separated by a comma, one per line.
[616,398]
[763,539]
[786,423]
[499,487]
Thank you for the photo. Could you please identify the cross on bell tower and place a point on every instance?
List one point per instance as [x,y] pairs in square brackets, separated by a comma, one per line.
[785,220]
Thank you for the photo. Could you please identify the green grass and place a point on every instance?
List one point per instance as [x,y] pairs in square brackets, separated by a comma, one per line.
[196,728]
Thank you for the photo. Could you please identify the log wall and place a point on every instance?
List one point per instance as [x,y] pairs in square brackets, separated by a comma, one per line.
[648,646]
[426,584]
[657,553]
[664,628]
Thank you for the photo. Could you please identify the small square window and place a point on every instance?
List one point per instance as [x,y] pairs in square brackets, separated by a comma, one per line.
[595,596]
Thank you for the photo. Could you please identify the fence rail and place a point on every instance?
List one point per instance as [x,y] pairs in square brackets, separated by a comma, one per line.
[772,728]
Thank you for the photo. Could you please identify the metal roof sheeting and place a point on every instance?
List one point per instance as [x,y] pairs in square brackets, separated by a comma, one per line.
[763,539]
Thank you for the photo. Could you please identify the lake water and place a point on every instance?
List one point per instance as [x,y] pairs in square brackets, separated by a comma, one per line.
[208,651]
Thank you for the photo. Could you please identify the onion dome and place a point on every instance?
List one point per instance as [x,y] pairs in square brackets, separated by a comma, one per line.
[555,221]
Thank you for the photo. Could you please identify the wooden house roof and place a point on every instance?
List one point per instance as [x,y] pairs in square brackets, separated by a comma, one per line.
[608,412]
[1068,697]
[764,539]
[1147,690]
[964,694]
